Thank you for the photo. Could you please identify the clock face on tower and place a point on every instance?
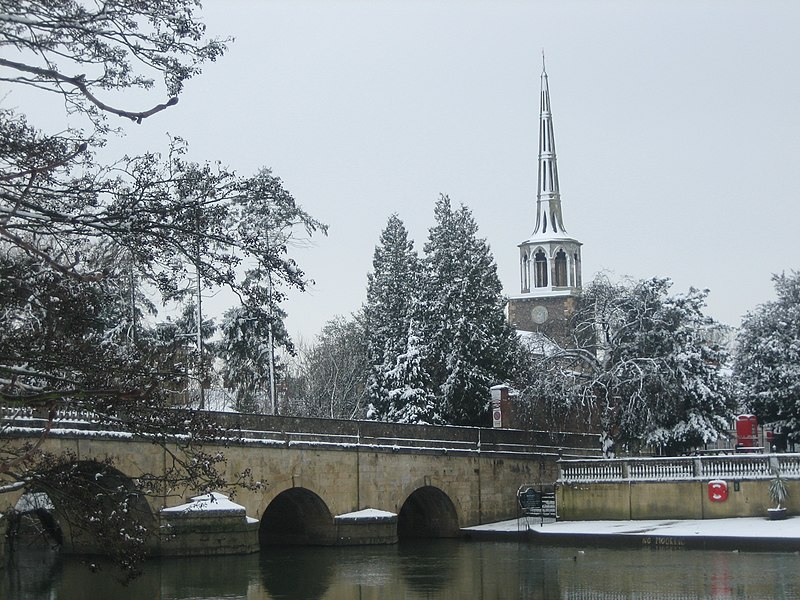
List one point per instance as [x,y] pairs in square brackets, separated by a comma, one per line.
[539,314]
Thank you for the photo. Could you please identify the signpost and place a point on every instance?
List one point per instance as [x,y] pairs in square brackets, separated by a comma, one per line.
[537,502]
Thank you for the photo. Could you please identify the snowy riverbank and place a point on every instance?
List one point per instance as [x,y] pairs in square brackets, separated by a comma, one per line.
[749,533]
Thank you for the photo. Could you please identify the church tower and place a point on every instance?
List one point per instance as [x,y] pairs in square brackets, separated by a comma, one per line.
[550,260]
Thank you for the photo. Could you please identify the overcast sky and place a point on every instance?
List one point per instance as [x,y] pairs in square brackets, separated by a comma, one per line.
[677,130]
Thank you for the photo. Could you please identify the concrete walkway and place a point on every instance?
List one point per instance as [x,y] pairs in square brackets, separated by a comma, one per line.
[752,533]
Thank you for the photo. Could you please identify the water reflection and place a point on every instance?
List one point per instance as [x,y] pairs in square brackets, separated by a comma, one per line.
[296,573]
[440,570]
[663,574]
[426,568]
[201,577]
[30,578]
[42,574]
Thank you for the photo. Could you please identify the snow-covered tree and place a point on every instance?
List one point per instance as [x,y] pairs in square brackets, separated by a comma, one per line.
[391,295]
[78,237]
[249,360]
[408,387]
[177,342]
[553,393]
[645,367]
[255,333]
[767,360]
[470,345]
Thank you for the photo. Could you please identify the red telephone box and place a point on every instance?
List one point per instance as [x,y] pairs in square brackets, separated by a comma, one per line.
[746,431]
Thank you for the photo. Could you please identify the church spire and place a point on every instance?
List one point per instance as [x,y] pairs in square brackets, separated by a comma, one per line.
[549,260]
[548,198]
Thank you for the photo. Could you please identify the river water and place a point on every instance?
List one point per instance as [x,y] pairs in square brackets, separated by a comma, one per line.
[439,569]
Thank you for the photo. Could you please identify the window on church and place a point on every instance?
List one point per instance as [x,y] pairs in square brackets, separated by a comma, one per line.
[540,269]
[560,271]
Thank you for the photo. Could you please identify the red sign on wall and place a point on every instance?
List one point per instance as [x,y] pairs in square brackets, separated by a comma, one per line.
[717,490]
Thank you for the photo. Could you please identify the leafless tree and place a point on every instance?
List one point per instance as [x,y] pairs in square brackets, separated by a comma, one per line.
[327,378]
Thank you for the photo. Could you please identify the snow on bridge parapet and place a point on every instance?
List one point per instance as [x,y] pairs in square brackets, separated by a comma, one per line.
[737,466]
[332,434]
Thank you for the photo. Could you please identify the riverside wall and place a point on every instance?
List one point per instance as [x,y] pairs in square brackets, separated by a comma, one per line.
[677,488]
[667,500]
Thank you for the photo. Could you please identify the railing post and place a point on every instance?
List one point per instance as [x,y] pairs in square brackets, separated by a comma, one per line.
[774,465]
[626,470]
[697,467]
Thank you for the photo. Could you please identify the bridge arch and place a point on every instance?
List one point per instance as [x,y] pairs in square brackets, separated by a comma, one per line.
[428,512]
[297,516]
[90,507]
[33,522]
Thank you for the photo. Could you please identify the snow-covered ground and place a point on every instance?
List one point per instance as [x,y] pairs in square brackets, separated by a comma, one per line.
[744,527]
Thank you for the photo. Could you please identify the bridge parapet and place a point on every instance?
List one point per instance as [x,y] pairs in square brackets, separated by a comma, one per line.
[300,432]
[398,436]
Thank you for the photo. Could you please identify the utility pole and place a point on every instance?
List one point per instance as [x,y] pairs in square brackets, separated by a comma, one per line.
[132,284]
[200,338]
[273,401]
[202,403]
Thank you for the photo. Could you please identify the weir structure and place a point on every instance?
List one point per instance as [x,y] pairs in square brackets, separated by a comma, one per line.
[329,481]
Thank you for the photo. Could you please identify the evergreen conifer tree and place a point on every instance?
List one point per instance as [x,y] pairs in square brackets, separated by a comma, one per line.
[408,386]
[391,294]
[470,344]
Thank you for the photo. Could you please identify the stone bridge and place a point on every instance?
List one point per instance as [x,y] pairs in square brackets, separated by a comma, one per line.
[436,480]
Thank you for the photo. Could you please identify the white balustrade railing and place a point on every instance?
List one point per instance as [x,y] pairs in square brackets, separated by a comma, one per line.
[789,464]
[16,412]
[736,466]
[660,468]
[10,410]
[592,470]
